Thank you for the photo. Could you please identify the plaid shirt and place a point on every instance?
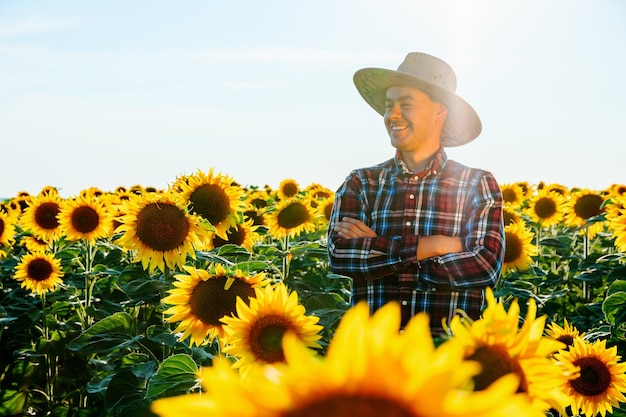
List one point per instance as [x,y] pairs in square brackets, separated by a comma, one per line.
[445,199]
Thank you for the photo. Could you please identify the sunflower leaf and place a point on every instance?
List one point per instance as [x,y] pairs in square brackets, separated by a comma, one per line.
[112,332]
[176,375]
[124,396]
[614,307]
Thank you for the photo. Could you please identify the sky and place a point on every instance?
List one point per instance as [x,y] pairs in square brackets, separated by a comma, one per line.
[121,93]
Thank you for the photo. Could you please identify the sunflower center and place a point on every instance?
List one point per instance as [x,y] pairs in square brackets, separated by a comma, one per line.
[594,379]
[328,210]
[211,202]
[509,195]
[568,339]
[257,218]
[513,248]
[588,206]
[235,236]
[210,302]
[1,227]
[292,216]
[545,208]
[46,215]
[495,362]
[509,217]
[290,189]
[266,337]
[39,270]
[352,405]
[258,203]
[85,219]
[162,227]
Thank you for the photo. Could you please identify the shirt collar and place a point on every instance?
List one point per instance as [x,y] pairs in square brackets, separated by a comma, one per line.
[437,163]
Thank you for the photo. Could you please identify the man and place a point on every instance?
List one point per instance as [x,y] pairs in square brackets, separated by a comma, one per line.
[419,229]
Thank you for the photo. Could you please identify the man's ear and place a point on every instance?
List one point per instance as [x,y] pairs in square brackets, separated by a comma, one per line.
[442,112]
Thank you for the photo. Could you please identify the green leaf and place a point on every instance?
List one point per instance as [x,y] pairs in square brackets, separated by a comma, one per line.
[142,292]
[162,335]
[616,286]
[113,332]
[124,396]
[614,306]
[12,402]
[176,375]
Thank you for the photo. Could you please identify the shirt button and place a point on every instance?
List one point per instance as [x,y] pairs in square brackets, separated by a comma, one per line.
[435,171]
[411,197]
[408,223]
[404,302]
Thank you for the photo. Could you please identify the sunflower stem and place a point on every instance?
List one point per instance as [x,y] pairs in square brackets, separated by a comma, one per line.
[47,358]
[586,290]
[89,281]
[537,260]
[286,257]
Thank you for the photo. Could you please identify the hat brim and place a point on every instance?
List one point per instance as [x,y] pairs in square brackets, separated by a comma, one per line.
[462,122]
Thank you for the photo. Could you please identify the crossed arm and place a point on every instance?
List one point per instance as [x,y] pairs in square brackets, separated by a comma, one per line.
[436,245]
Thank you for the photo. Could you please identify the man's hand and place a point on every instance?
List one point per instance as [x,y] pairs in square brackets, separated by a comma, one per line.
[349,228]
[428,246]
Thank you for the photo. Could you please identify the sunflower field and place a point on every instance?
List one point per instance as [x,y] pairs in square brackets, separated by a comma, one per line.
[213,298]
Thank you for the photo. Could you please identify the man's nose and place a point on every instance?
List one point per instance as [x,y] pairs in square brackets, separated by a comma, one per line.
[393,112]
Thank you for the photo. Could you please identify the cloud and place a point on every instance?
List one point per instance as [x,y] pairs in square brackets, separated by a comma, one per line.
[34,24]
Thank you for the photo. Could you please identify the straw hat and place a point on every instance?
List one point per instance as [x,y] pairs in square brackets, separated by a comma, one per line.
[434,77]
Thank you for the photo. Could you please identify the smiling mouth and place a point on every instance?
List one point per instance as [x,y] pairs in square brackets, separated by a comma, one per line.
[398,128]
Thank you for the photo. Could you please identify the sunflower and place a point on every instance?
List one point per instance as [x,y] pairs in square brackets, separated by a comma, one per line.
[160,229]
[257,200]
[243,234]
[498,343]
[290,218]
[91,192]
[616,222]
[319,192]
[519,248]
[213,197]
[8,221]
[359,375]
[200,298]
[85,217]
[39,272]
[581,206]
[33,244]
[41,217]
[566,334]
[49,190]
[616,191]
[526,188]
[257,216]
[255,333]
[512,195]
[287,189]
[557,188]
[510,215]
[602,381]
[19,203]
[324,208]
[546,208]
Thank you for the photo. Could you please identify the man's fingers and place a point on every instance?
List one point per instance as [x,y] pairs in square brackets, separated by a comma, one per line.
[351,228]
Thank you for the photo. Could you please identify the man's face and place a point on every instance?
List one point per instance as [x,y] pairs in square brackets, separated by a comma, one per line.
[412,119]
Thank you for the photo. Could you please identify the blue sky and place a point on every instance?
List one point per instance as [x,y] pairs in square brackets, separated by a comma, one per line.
[120,93]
